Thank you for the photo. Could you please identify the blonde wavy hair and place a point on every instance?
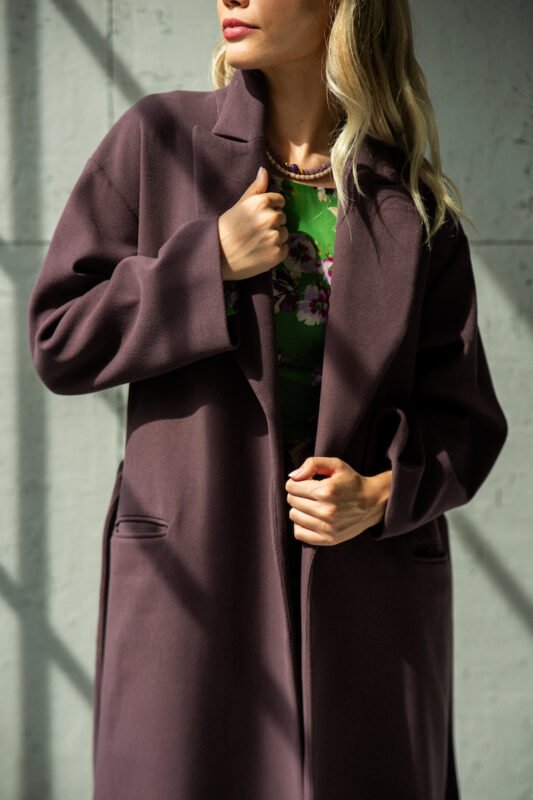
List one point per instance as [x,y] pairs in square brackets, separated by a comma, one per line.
[377,87]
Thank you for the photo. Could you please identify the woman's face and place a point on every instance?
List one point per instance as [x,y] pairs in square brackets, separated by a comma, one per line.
[287,31]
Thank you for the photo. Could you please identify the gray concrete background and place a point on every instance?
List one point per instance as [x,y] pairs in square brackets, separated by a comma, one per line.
[68,70]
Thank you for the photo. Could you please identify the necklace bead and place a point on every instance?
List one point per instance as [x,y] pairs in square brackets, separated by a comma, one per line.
[293,170]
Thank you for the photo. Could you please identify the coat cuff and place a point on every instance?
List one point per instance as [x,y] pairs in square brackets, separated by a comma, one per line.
[425,482]
[101,314]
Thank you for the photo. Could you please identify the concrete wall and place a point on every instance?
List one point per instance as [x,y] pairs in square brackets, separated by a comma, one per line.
[68,69]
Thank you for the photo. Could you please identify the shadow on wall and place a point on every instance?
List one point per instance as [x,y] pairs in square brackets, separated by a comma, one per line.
[40,646]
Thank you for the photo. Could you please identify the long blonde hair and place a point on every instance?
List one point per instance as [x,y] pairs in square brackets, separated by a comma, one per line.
[377,87]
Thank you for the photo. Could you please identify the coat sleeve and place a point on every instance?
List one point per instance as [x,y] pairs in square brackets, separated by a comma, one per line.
[101,314]
[442,444]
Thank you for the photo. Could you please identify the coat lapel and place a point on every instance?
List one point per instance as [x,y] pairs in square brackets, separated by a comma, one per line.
[372,292]
[377,248]
[226,160]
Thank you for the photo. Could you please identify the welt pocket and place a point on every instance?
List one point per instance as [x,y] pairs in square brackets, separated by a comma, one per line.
[427,546]
[429,553]
[137,526]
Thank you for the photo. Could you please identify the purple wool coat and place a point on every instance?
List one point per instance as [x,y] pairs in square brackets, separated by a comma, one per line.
[201,688]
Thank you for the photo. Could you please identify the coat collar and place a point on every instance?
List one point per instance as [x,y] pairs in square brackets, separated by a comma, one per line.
[377,249]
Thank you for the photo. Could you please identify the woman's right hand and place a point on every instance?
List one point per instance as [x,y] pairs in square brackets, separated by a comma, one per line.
[252,233]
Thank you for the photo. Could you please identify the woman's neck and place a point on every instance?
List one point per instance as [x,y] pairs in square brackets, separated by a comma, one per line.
[299,122]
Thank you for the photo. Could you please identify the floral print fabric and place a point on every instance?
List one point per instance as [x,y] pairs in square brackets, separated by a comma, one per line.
[301,288]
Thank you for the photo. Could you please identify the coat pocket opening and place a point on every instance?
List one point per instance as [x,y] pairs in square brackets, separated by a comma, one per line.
[426,545]
[137,526]
[431,553]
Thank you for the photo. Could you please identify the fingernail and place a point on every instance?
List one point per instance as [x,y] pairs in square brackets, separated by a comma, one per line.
[295,472]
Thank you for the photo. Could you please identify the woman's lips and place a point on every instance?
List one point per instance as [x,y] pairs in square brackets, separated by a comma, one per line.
[233,31]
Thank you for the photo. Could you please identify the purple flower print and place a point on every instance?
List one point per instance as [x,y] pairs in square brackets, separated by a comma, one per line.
[302,255]
[325,268]
[313,308]
[284,291]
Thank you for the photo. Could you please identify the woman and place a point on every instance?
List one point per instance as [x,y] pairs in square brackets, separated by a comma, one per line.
[265,636]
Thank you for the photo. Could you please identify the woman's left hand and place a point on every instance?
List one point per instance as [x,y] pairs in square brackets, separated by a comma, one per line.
[338,508]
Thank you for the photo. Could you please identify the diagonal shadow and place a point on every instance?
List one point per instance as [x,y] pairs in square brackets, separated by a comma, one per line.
[113,67]
[55,649]
[39,644]
[491,563]
[24,138]
[16,593]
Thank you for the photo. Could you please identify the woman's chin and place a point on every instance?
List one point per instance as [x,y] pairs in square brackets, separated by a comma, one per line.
[241,60]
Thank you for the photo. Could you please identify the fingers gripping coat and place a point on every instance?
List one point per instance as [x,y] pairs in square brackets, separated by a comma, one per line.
[201,689]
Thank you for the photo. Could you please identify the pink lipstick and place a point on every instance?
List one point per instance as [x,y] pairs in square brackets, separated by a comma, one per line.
[234,28]
[234,31]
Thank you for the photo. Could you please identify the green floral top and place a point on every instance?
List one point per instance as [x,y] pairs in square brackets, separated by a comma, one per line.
[301,288]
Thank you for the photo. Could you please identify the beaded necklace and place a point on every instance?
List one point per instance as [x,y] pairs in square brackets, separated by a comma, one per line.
[293,170]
